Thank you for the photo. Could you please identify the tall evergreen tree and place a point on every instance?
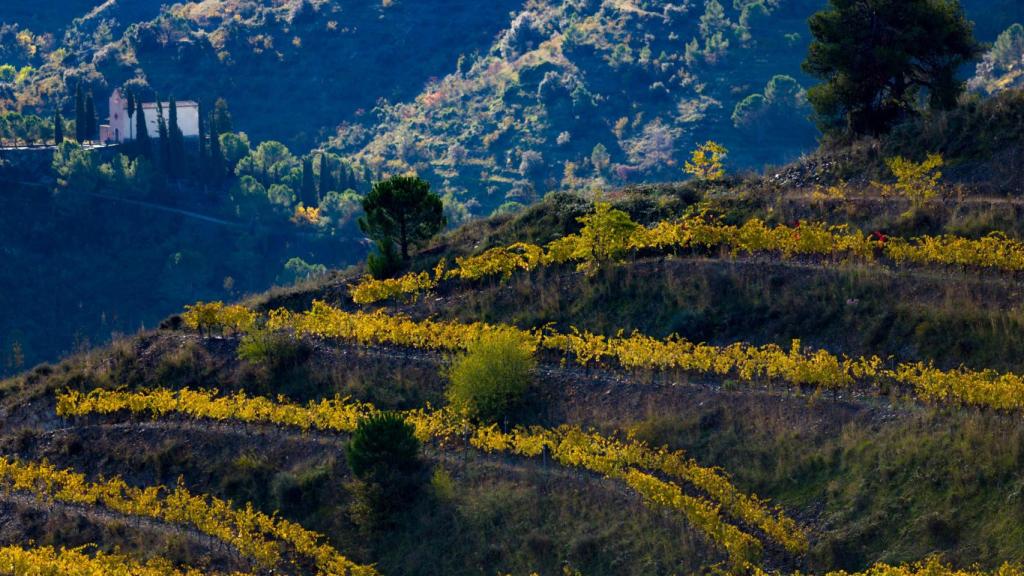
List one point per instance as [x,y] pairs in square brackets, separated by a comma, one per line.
[221,117]
[80,123]
[402,210]
[307,193]
[343,178]
[129,97]
[878,57]
[204,164]
[164,139]
[142,144]
[326,182]
[216,156]
[176,153]
[58,128]
[349,178]
[90,118]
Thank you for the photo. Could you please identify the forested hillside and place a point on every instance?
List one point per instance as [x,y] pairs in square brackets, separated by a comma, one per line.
[505,102]
[314,65]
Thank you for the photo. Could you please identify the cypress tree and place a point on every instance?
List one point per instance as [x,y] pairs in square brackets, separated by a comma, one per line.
[343,178]
[176,154]
[203,163]
[308,192]
[348,180]
[58,128]
[142,144]
[216,156]
[80,122]
[221,117]
[325,176]
[129,97]
[165,145]
[90,118]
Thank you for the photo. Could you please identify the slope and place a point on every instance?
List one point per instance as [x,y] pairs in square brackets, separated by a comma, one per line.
[314,64]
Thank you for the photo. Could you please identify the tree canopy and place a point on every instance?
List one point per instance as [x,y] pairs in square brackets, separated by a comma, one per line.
[402,209]
[880,59]
[384,456]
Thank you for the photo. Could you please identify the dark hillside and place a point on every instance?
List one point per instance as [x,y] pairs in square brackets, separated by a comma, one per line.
[80,269]
[313,65]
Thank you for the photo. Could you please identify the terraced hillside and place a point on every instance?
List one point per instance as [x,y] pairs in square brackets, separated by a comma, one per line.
[746,376]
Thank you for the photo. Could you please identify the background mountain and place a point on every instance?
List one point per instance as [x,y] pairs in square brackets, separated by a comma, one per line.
[502,102]
[291,70]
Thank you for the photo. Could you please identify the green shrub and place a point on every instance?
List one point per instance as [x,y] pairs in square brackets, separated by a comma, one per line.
[274,350]
[442,485]
[490,380]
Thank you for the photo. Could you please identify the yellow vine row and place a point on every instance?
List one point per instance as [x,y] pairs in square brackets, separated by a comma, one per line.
[567,445]
[596,243]
[46,561]
[207,317]
[572,446]
[246,529]
[748,363]
[931,567]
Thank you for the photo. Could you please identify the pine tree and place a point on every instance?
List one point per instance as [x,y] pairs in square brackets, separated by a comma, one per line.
[58,128]
[142,145]
[403,210]
[326,182]
[877,58]
[90,118]
[176,152]
[80,123]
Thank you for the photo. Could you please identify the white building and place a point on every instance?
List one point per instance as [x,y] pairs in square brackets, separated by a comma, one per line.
[121,127]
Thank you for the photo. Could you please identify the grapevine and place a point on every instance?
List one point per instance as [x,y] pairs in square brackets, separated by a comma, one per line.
[209,316]
[931,567]
[253,533]
[17,561]
[568,445]
[796,366]
[594,244]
